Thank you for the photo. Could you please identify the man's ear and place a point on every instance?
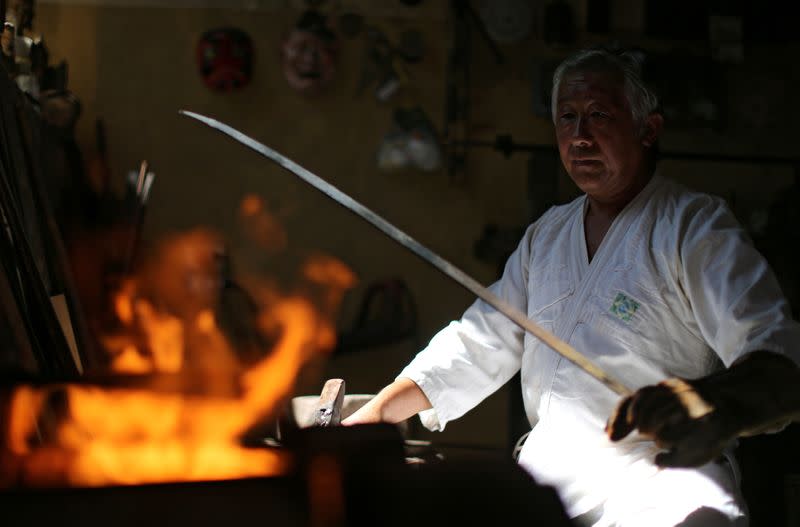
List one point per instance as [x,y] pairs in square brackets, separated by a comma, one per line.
[652,129]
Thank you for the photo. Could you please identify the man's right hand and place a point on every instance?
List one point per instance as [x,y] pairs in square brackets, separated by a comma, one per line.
[696,419]
[395,403]
[368,414]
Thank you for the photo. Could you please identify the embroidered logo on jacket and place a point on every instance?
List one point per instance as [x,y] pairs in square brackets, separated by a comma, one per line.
[624,307]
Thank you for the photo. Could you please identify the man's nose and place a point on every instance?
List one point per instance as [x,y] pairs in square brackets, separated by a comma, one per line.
[581,136]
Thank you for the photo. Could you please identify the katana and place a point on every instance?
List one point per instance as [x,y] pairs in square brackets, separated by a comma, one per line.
[472,285]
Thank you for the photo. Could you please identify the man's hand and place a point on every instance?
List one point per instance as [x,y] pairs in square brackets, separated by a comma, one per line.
[695,420]
[677,418]
[396,402]
[368,414]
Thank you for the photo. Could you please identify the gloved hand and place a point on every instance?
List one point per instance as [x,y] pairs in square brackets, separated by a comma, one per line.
[694,420]
[678,418]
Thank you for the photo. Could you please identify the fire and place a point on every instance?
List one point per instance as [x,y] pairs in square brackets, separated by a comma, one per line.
[198,398]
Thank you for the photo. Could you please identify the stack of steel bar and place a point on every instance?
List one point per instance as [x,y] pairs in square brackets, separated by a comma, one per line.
[34,275]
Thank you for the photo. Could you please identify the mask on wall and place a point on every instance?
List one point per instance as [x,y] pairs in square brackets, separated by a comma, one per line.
[309,54]
[21,13]
[225,59]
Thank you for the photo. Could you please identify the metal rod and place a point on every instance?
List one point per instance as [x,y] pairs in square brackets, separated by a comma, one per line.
[423,252]
[140,179]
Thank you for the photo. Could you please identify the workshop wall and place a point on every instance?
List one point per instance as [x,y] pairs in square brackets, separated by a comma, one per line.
[135,68]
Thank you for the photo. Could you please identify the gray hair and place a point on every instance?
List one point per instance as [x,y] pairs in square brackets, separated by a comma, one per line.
[641,99]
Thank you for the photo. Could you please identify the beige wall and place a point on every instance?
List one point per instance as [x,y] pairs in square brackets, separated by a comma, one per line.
[135,69]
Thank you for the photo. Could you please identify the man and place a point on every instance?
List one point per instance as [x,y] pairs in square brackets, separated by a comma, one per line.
[651,282]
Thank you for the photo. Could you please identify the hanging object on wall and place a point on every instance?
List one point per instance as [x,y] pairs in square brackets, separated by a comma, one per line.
[225,59]
[20,15]
[382,66]
[411,142]
[309,54]
[506,21]
[384,63]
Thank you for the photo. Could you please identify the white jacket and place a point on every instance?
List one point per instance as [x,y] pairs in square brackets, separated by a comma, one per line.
[676,289]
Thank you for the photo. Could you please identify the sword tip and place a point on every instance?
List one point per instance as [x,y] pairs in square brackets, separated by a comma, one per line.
[199,117]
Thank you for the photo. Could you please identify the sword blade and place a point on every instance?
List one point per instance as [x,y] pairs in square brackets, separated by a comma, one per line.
[472,285]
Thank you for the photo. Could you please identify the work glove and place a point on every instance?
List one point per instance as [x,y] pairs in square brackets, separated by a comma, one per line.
[694,420]
[678,418]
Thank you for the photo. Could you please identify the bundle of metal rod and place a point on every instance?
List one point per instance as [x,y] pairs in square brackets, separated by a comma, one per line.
[27,245]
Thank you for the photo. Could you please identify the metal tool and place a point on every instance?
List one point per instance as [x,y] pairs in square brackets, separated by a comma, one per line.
[513,314]
[329,408]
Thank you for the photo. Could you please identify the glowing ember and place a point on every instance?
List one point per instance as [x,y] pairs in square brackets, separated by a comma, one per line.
[167,328]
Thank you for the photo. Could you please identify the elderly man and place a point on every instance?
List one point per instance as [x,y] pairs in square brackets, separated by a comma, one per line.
[656,284]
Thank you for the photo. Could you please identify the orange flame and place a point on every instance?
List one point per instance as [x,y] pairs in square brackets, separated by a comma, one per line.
[101,436]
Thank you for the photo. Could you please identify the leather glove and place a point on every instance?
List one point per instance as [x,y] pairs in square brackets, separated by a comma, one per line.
[678,418]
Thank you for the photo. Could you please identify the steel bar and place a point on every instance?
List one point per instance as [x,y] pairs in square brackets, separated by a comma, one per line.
[515,315]
[329,408]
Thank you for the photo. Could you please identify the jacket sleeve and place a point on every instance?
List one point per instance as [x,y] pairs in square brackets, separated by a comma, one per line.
[734,296]
[472,357]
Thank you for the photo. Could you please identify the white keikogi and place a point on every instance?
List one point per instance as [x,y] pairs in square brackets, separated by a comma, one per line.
[676,289]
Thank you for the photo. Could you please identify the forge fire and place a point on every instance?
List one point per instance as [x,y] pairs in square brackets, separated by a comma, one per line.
[183,384]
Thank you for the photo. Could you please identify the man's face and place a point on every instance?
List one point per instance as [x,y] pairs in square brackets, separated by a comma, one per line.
[600,144]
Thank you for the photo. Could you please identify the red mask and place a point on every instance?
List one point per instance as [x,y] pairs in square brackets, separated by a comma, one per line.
[225,59]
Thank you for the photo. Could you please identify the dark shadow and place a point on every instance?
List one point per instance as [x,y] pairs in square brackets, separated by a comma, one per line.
[708,517]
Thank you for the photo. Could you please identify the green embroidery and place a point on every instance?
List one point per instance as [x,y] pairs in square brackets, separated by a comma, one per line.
[624,307]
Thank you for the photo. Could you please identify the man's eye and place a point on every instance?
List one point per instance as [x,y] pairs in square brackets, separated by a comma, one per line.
[567,116]
[599,115]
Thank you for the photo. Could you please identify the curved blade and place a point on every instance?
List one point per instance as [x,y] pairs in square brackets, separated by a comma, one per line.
[513,314]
